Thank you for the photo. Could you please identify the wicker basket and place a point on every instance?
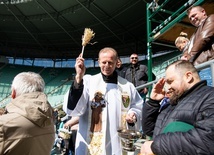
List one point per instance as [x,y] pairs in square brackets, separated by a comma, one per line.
[64,133]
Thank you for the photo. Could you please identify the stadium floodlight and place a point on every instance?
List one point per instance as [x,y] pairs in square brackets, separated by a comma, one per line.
[13,1]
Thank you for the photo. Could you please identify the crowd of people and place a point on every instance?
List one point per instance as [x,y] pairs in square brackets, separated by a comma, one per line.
[177,116]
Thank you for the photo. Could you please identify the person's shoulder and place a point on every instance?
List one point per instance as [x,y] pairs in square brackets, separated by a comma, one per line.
[206,93]
[96,75]
[125,67]
[143,66]
[210,18]
[128,66]
[210,89]
[5,119]
[87,76]
[121,78]
[124,81]
[206,90]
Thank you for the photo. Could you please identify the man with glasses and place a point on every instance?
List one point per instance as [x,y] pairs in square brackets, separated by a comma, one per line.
[137,74]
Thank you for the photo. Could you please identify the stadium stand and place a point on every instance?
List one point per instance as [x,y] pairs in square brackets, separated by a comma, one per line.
[58,81]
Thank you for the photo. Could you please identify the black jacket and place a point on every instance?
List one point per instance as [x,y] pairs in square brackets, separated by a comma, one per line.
[137,74]
[121,71]
[195,107]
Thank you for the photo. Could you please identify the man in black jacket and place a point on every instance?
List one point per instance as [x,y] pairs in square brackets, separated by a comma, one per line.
[186,125]
[137,74]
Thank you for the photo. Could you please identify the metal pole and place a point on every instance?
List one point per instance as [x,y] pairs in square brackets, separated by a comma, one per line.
[149,47]
[171,20]
[158,9]
[212,73]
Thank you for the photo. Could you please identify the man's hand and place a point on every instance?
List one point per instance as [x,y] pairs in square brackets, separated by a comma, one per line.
[73,121]
[146,148]
[144,91]
[158,92]
[80,69]
[185,56]
[131,118]
[67,125]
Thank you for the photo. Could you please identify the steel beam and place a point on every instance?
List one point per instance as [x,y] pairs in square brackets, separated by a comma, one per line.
[163,27]
[171,20]
[149,48]
[28,31]
[57,23]
[99,20]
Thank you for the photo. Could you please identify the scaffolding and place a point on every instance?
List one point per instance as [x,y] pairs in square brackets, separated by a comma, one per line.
[174,17]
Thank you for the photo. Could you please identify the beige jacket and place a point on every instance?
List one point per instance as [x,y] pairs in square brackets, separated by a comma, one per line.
[28,127]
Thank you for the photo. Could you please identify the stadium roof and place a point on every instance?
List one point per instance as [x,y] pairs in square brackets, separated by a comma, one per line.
[54,28]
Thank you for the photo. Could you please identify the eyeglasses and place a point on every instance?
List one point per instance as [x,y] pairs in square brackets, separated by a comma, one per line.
[134,58]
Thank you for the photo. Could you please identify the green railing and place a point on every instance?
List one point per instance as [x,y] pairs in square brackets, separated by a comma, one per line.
[208,64]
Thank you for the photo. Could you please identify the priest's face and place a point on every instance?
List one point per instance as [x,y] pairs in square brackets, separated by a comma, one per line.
[107,62]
